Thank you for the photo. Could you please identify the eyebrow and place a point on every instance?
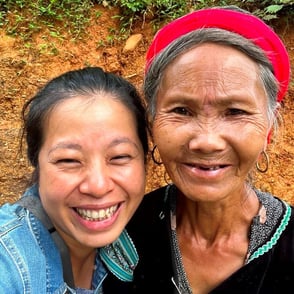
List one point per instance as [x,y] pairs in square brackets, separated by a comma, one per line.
[74,146]
[122,140]
[65,145]
[223,101]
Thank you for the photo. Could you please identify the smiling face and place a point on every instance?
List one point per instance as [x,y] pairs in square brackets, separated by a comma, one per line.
[211,122]
[92,173]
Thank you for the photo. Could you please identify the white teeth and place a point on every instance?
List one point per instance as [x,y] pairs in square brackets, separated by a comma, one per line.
[214,168]
[97,215]
[101,214]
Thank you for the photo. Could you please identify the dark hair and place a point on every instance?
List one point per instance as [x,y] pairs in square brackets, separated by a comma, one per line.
[86,83]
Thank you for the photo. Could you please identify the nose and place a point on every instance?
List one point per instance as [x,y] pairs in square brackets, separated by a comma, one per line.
[207,138]
[97,181]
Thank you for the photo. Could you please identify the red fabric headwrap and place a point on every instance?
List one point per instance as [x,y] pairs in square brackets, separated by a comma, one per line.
[243,24]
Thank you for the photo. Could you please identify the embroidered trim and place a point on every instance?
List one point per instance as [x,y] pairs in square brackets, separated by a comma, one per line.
[181,282]
[269,244]
[121,257]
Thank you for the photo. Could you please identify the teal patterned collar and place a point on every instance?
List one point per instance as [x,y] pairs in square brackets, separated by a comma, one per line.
[267,227]
[120,257]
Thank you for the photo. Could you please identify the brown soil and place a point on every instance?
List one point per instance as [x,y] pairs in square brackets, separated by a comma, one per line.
[23,69]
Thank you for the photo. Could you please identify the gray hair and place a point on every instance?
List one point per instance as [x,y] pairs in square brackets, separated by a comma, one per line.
[190,40]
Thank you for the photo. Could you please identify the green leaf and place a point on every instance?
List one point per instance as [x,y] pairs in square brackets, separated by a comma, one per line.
[272,9]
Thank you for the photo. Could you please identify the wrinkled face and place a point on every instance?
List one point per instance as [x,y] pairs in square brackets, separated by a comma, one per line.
[92,173]
[211,123]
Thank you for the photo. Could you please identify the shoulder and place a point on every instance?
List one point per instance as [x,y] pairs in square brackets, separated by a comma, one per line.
[149,231]
[16,247]
[11,217]
[147,214]
[275,205]
[153,203]
[282,237]
[147,224]
[19,230]
[22,234]
[155,196]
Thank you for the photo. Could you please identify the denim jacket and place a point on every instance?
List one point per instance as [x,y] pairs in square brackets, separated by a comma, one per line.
[30,262]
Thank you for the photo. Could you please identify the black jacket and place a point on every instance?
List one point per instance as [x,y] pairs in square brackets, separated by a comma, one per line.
[270,273]
[149,233]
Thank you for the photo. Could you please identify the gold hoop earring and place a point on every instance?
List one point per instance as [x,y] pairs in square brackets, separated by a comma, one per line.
[153,156]
[265,168]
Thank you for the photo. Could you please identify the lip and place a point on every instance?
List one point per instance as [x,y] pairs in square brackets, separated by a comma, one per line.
[97,219]
[204,171]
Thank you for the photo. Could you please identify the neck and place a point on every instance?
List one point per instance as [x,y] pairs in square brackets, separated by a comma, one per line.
[83,267]
[82,261]
[212,222]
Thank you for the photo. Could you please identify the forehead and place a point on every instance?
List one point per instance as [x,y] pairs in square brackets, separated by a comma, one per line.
[80,103]
[211,67]
[97,109]
[210,56]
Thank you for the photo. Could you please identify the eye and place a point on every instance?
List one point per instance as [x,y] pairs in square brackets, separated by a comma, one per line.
[235,111]
[67,163]
[121,159]
[66,160]
[181,111]
[123,156]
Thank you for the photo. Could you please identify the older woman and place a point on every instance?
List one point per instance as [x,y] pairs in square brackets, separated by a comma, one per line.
[214,79]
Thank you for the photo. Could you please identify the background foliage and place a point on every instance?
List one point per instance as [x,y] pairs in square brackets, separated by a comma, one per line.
[25,17]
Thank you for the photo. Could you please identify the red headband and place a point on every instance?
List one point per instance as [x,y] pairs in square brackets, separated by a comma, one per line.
[243,24]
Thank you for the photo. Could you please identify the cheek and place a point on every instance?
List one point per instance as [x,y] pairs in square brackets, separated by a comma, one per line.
[50,191]
[253,136]
[51,180]
[54,186]
[138,173]
[170,138]
[163,133]
[130,178]
[248,148]
[163,140]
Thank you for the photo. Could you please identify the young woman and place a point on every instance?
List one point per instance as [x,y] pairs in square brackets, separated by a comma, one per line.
[86,139]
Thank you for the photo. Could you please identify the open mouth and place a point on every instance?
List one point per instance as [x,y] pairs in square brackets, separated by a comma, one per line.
[97,215]
[208,168]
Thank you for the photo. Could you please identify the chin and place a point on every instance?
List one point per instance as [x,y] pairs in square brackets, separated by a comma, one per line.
[106,238]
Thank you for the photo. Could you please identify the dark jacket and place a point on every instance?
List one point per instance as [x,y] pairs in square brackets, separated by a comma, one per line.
[271,273]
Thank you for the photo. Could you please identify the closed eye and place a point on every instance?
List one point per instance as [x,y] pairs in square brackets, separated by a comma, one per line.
[68,164]
[67,160]
[121,159]
[121,156]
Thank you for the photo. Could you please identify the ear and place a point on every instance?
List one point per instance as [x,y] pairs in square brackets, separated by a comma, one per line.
[150,130]
[277,109]
[276,118]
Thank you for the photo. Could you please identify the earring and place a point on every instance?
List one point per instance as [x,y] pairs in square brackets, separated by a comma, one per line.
[153,156]
[266,164]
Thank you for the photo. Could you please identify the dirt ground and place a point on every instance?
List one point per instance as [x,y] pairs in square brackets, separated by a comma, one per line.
[24,67]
